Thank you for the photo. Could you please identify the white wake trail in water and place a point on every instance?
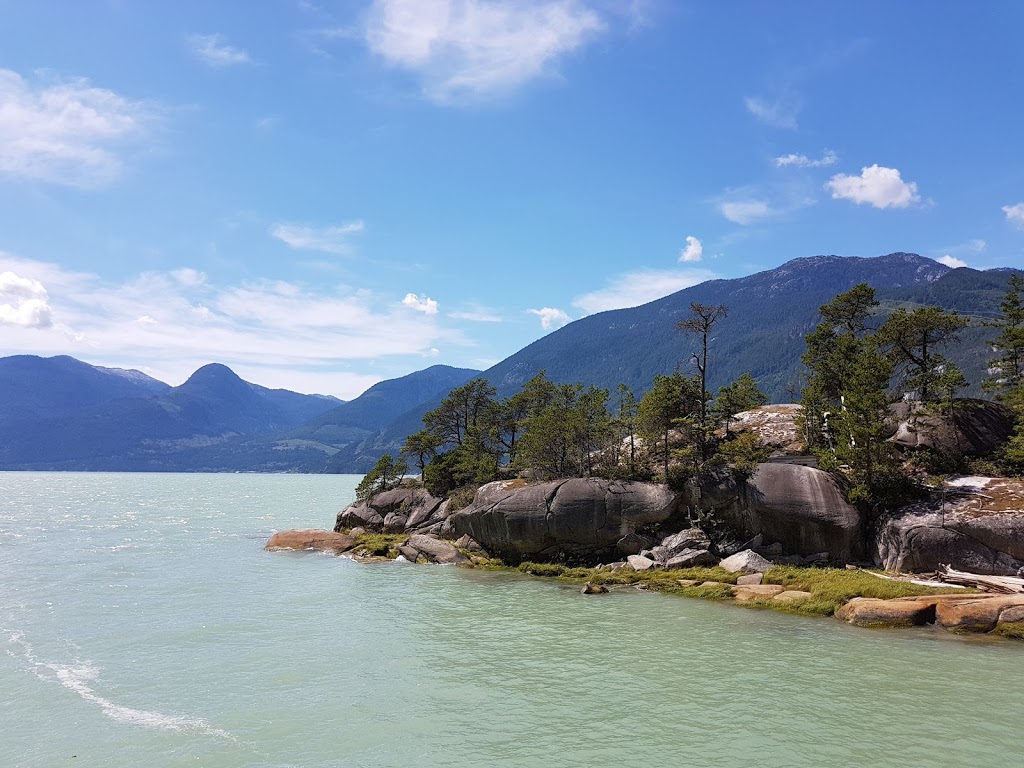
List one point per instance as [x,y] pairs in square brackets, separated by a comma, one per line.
[78,676]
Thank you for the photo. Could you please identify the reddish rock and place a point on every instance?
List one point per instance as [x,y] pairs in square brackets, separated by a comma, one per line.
[872,612]
[975,615]
[749,592]
[790,595]
[311,539]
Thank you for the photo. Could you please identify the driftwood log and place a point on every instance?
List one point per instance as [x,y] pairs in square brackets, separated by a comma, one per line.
[1007,585]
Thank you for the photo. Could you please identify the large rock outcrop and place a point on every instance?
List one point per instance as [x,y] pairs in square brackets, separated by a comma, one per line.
[974,524]
[576,519]
[401,509]
[970,428]
[801,508]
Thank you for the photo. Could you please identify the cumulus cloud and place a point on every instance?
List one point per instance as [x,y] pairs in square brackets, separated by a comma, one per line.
[878,186]
[635,288]
[422,304]
[694,250]
[550,317]
[1015,214]
[274,333]
[471,48]
[745,211]
[951,261]
[803,161]
[65,132]
[23,302]
[214,51]
[302,237]
[780,113]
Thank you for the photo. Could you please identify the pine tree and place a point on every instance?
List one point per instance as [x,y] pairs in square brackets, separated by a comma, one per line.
[912,340]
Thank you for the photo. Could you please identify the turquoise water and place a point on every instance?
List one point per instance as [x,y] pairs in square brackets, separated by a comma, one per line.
[142,624]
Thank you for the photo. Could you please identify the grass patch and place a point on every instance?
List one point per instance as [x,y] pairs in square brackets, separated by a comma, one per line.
[838,585]
[705,591]
[1014,631]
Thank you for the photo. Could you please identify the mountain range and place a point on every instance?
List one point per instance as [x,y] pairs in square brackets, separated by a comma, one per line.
[61,413]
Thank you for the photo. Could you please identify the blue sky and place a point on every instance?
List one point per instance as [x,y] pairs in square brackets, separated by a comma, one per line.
[326,194]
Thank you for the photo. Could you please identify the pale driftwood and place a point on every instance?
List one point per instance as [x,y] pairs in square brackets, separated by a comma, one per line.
[909,580]
[1007,585]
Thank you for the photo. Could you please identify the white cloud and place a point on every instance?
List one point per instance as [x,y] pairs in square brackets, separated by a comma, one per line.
[189,277]
[273,333]
[422,304]
[635,288]
[326,239]
[951,261]
[780,113]
[65,132]
[550,317]
[694,250]
[214,51]
[477,314]
[745,211]
[1015,214]
[878,186]
[802,161]
[23,302]
[471,48]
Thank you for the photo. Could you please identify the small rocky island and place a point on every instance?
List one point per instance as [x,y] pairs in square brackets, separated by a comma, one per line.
[785,537]
[881,466]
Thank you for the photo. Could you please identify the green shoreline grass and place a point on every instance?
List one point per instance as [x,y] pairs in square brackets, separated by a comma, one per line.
[830,588]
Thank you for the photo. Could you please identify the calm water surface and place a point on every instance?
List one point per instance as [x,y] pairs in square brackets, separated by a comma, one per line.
[142,624]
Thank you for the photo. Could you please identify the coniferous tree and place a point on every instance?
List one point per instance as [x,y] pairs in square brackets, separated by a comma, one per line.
[385,475]
[741,395]
[702,319]
[912,340]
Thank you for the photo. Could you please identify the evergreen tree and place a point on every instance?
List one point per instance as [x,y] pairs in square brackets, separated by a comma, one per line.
[625,425]
[1008,368]
[912,340]
[385,475]
[422,446]
[672,402]
[742,395]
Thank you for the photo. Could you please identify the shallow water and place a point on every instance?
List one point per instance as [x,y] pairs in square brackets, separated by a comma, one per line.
[141,623]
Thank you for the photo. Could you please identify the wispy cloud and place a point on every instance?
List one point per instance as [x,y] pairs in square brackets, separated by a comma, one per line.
[476,313]
[745,211]
[1015,214]
[423,304]
[778,113]
[465,49]
[802,161]
[877,186]
[303,237]
[694,250]
[215,51]
[550,317]
[281,333]
[66,132]
[635,288]
[951,261]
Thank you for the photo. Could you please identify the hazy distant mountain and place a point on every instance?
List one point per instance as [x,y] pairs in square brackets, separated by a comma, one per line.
[129,428]
[33,387]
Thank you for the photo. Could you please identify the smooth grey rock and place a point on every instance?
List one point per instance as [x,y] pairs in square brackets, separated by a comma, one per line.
[975,524]
[633,544]
[468,542]
[436,550]
[691,538]
[692,558]
[800,507]
[749,579]
[746,561]
[660,553]
[394,522]
[409,553]
[411,503]
[580,517]
[640,563]
[971,428]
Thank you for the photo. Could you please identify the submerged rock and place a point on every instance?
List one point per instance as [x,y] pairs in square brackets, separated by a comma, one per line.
[435,550]
[311,539]
[593,589]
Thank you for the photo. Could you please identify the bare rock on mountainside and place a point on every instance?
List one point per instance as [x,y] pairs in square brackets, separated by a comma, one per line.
[311,539]
[576,517]
[974,524]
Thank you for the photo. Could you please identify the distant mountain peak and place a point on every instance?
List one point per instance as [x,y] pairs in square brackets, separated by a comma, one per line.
[217,380]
